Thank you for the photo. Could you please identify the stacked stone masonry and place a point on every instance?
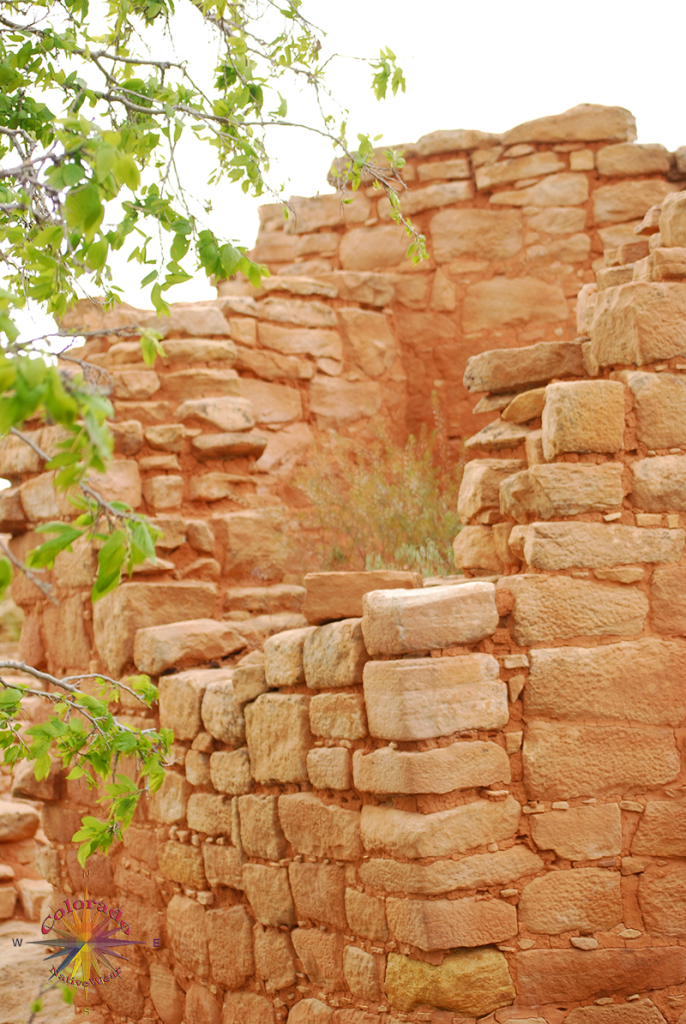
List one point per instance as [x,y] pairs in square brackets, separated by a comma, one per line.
[398,801]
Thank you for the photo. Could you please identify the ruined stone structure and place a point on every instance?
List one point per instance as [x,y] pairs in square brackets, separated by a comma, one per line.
[400,801]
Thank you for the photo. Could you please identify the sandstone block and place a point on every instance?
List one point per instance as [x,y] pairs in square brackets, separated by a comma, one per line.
[186,926]
[120,482]
[459,766]
[271,403]
[625,160]
[517,168]
[321,955]
[199,383]
[182,864]
[373,248]
[370,335]
[660,404]
[338,716]
[329,768]
[563,545]
[261,833]
[319,829]
[319,893]
[562,761]
[33,892]
[310,1011]
[247,1008]
[570,975]
[662,899]
[472,982]
[490,234]
[327,211]
[628,200]
[201,1006]
[278,735]
[230,771]
[661,265]
[269,893]
[225,413]
[361,974]
[587,122]
[254,544]
[480,870]
[228,445]
[502,302]
[583,416]
[497,436]
[17,821]
[480,485]
[229,932]
[400,622]
[588,900]
[673,220]
[528,405]
[661,831]
[428,198]
[221,710]
[421,698]
[181,644]
[335,401]
[555,190]
[639,1012]
[548,608]
[451,141]
[166,996]
[442,924]
[180,702]
[223,865]
[334,654]
[636,680]
[502,370]
[639,323]
[338,595]
[477,548]
[283,657]
[168,804]
[455,168]
[8,899]
[293,311]
[410,835]
[274,958]
[210,814]
[668,606]
[248,678]
[366,915]
[556,220]
[561,489]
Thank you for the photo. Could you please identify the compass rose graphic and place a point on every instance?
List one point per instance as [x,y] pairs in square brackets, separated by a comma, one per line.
[86,945]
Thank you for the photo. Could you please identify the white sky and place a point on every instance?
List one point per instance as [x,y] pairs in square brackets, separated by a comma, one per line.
[487,66]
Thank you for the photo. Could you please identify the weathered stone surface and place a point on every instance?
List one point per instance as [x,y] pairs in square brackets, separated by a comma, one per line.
[133,606]
[162,492]
[583,416]
[334,655]
[335,401]
[278,734]
[560,489]
[501,370]
[338,716]
[421,698]
[292,311]
[504,301]
[271,403]
[338,595]
[458,167]
[186,926]
[442,924]
[168,804]
[459,766]
[428,198]
[442,876]
[563,545]
[229,932]
[517,168]
[371,338]
[660,404]
[480,485]
[524,407]
[640,1012]
[661,831]
[269,893]
[472,982]
[181,698]
[562,901]
[230,771]
[17,821]
[319,893]
[223,865]
[668,604]
[673,220]
[273,366]
[261,833]
[221,711]
[366,915]
[483,548]
[247,1008]
[453,140]
[361,974]
[570,975]
[411,835]
[310,1011]
[587,122]
[274,958]
[227,414]
[254,545]
[182,864]
[628,200]
[400,621]
[490,234]
[321,956]
[637,680]
[626,160]
[167,997]
[548,608]
[557,220]
[497,436]
[211,814]
[373,248]
[662,899]
[181,644]
[562,761]
[283,657]
[555,190]
[320,829]
[329,768]
[639,323]
[201,1006]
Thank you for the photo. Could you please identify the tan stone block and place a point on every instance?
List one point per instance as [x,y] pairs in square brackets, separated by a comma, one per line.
[455,168]
[120,482]
[338,595]
[335,401]
[411,835]
[223,865]
[475,548]
[640,1012]
[472,982]
[272,366]
[556,220]
[428,198]
[162,492]
[283,657]
[668,600]
[400,622]
[662,265]
[182,644]
[662,899]
[319,893]
[570,975]
[247,1008]
[338,716]
[587,122]
[526,406]
[588,899]
[459,766]
[261,833]
[319,829]
[64,635]
[442,924]
[32,893]
[186,926]
[636,680]
[628,200]
[167,997]
[329,768]
[334,654]
[254,544]
[625,160]
[555,190]
[561,489]
[661,831]
[421,698]
[583,416]
[180,701]
[370,335]
[452,141]
[310,1011]
[547,608]
[478,871]
[501,370]
[229,932]
[321,955]
[269,893]
[230,771]
[201,1006]
[271,403]
[168,804]
[373,248]
[209,813]
[321,343]
[479,488]
[8,899]
[517,168]
[182,864]
[673,220]
[327,211]
[292,311]
[361,974]
[660,404]
[17,457]
[366,287]
[366,915]
[502,301]
[563,545]
[491,234]
[278,735]
[562,761]
[498,435]
[274,958]
[639,323]
[227,413]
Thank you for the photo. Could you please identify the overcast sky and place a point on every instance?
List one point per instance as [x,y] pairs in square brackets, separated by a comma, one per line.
[487,66]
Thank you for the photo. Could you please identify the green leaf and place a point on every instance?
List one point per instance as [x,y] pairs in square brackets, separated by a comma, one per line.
[5,576]
[84,210]
[126,171]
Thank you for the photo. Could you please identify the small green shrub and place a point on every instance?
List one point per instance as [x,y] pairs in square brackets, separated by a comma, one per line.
[379,505]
